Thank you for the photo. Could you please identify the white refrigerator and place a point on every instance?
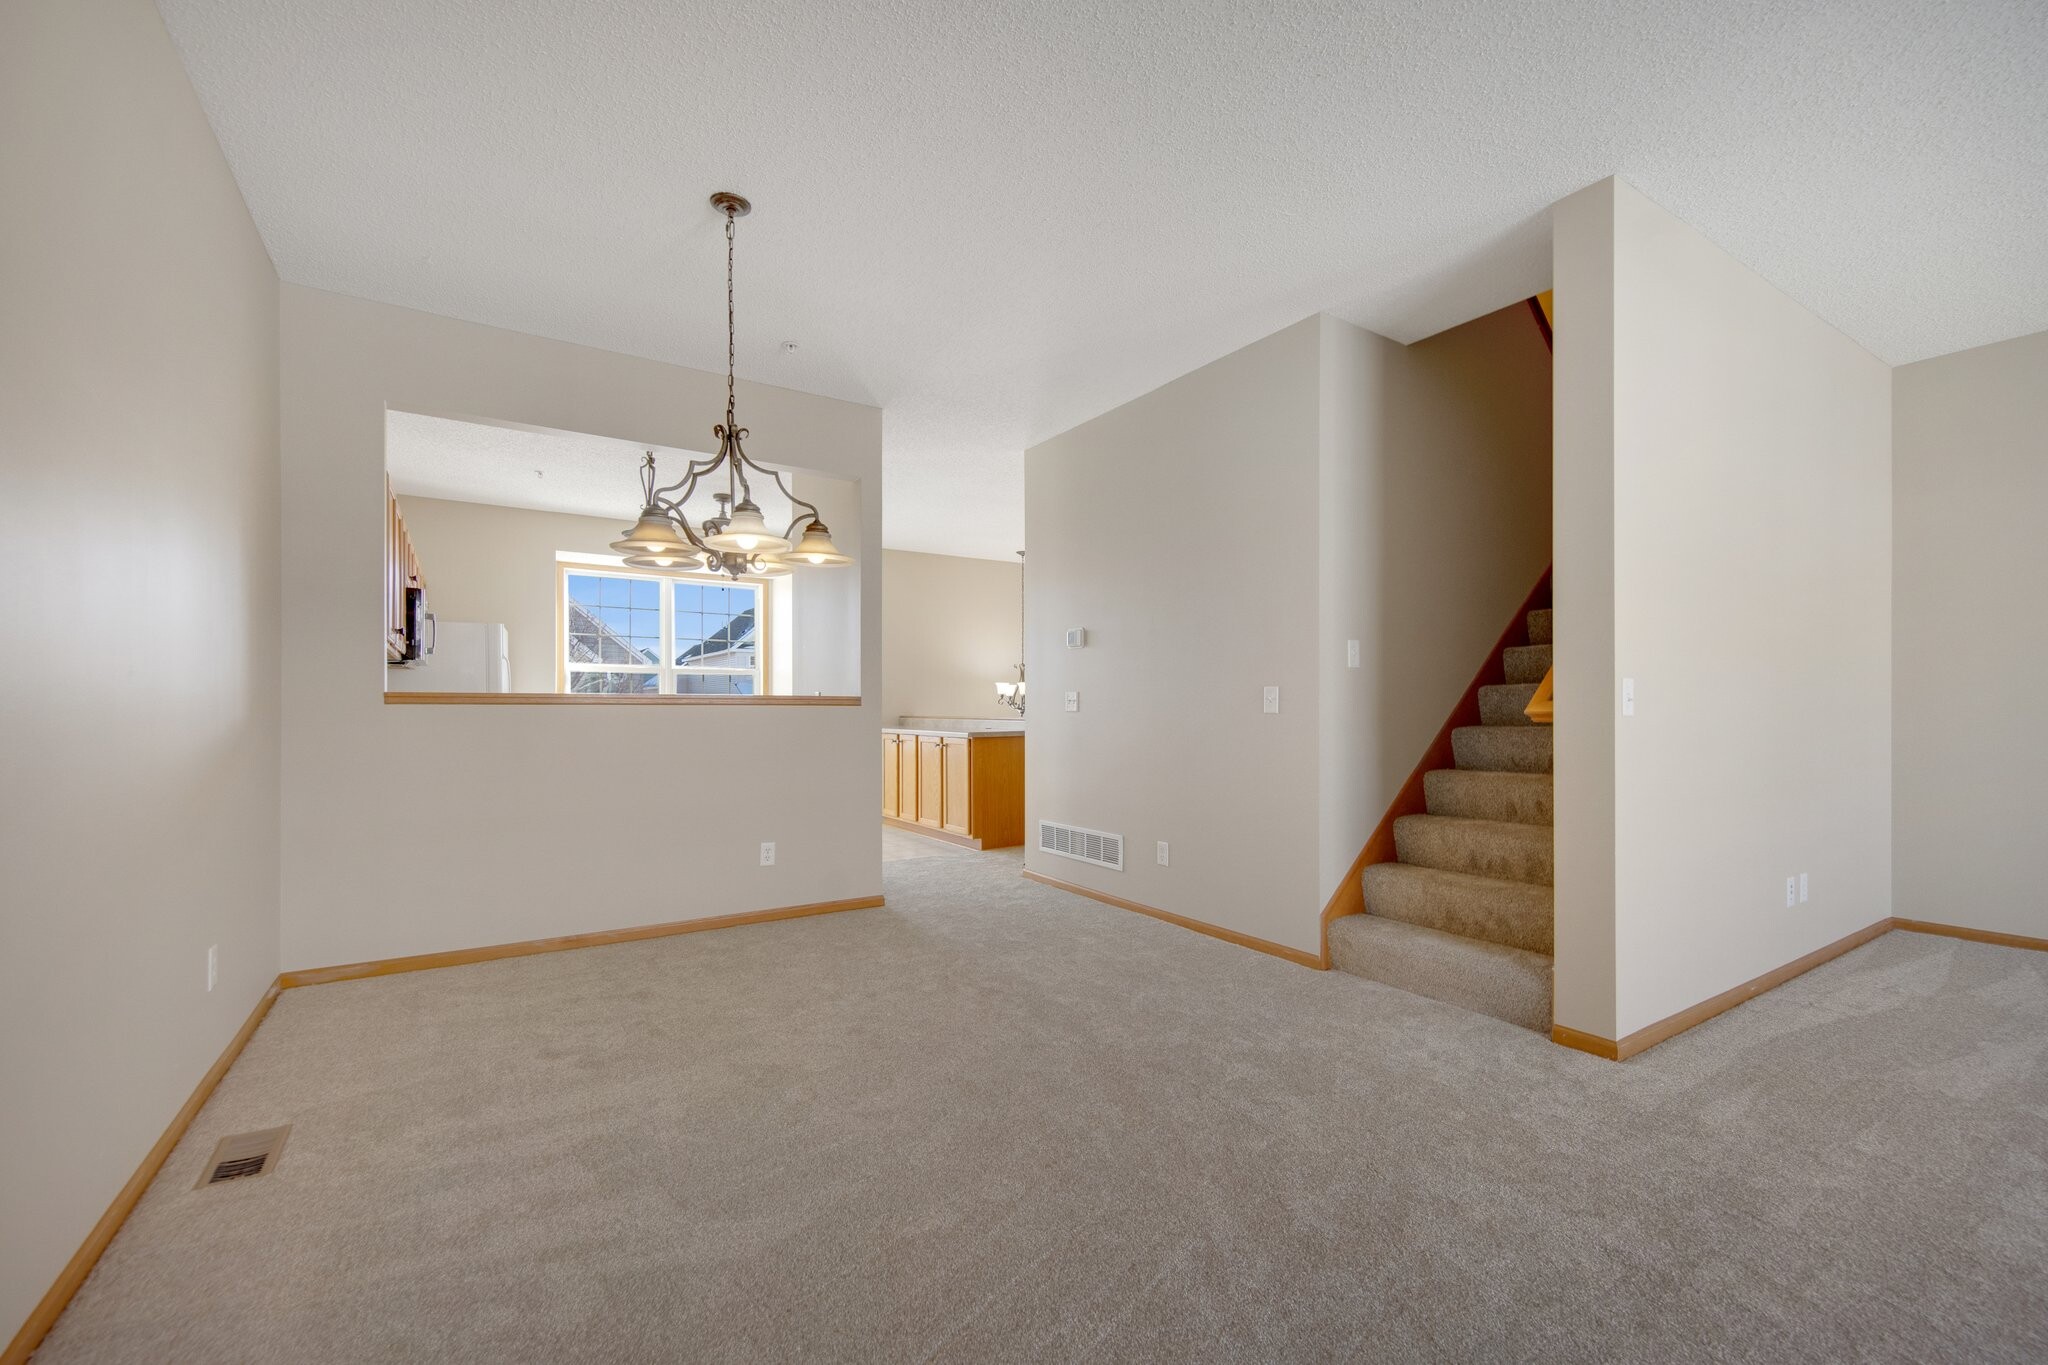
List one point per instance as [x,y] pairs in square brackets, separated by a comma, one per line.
[465,656]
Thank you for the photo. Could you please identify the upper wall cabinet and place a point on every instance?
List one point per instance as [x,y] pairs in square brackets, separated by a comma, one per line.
[401,575]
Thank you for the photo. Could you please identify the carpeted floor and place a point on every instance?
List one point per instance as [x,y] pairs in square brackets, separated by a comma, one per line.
[997,1122]
[899,845]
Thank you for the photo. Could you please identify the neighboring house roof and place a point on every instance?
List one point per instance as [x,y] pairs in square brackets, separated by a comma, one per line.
[583,621]
[734,635]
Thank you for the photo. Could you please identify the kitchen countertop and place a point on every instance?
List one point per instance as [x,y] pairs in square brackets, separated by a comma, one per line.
[930,725]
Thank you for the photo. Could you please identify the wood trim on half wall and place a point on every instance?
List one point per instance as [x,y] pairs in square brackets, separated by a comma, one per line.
[1349,897]
[600,699]
[1281,950]
[391,966]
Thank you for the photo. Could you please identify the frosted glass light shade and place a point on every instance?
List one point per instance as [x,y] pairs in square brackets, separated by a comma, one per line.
[747,534]
[816,547]
[687,559]
[653,534]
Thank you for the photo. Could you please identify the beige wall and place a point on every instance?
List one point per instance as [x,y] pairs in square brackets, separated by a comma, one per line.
[138,430]
[1582,594]
[950,634]
[1132,520]
[1970,565]
[413,829]
[1434,515]
[1405,493]
[1750,523]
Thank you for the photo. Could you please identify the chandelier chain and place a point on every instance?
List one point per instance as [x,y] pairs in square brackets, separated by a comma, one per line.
[730,345]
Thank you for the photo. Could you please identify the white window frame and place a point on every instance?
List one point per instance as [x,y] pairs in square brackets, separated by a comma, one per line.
[666,671]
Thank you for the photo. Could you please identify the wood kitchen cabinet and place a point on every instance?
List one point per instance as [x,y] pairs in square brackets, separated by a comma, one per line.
[401,573]
[931,781]
[892,774]
[954,808]
[964,788]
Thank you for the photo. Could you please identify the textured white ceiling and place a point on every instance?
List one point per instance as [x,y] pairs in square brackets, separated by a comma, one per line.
[544,471]
[997,218]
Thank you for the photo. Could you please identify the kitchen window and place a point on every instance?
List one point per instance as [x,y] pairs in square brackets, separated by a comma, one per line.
[635,631]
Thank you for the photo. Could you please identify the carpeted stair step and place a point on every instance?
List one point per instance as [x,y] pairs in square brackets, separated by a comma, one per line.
[1484,848]
[1505,703]
[1502,748]
[1506,983]
[1512,914]
[1526,663]
[1473,795]
[1539,627]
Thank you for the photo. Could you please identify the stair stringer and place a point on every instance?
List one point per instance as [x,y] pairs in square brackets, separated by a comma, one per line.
[1349,897]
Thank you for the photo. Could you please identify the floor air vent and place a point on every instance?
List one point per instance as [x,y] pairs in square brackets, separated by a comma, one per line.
[1082,845]
[243,1155]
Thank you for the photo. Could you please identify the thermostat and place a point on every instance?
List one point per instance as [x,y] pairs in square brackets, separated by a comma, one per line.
[1076,638]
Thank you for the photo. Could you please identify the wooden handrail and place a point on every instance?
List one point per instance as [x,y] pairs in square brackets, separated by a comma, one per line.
[1539,708]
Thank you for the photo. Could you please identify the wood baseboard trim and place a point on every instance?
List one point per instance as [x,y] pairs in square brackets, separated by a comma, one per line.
[947,836]
[1991,936]
[1280,950]
[1647,1037]
[45,1314]
[391,966]
[1585,1042]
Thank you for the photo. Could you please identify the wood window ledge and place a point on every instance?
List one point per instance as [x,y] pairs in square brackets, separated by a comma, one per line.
[597,699]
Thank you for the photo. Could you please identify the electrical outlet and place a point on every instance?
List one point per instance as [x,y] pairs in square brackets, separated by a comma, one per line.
[768,855]
[1351,653]
[1073,701]
[212,966]
[1802,888]
[1791,891]
[1272,701]
[1162,853]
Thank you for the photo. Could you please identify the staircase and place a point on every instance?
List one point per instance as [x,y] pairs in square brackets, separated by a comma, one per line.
[1465,914]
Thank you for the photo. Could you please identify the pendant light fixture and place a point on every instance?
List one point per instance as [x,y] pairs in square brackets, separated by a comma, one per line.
[737,541]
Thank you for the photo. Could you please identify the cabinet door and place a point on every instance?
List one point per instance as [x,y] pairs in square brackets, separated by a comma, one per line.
[394,577]
[931,781]
[957,785]
[892,775]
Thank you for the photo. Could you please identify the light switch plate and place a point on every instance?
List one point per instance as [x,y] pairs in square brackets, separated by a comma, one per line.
[1351,653]
[1272,701]
[1073,701]
[1628,696]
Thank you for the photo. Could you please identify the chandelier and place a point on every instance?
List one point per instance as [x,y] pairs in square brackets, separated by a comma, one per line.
[736,541]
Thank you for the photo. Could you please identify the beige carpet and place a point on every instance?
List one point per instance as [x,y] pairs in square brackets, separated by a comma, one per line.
[997,1122]
[900,845]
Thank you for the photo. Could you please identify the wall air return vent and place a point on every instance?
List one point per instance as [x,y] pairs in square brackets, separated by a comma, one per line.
[1082,845]
[244,1155]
